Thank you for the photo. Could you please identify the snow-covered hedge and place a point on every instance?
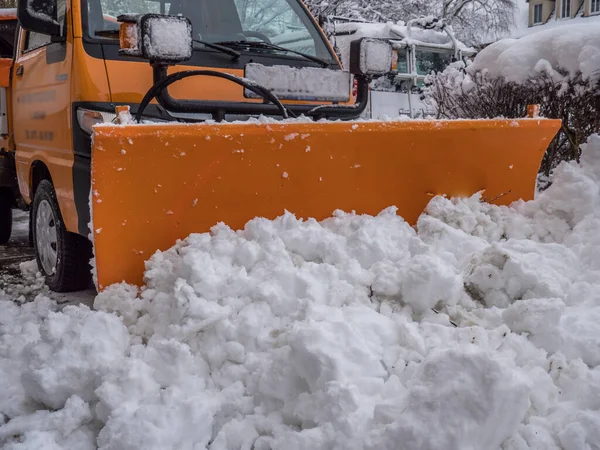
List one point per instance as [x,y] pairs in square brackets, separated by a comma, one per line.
[559,69]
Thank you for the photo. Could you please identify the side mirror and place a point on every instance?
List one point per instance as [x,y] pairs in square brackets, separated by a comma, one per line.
[39,16]
[372,57]
[156,37]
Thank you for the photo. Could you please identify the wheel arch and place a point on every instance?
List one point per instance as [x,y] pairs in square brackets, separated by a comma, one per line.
[7,192]
[38,171]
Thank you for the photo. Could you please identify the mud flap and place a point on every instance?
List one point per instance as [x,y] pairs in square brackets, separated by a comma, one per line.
[154,184]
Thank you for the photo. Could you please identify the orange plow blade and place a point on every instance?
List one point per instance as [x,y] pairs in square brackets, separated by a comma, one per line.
[154,184]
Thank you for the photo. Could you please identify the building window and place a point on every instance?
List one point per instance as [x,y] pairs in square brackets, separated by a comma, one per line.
[595,8]
[537,14]
[565,8]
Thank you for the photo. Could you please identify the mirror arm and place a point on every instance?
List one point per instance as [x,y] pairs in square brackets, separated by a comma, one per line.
[33,17]
[59,39]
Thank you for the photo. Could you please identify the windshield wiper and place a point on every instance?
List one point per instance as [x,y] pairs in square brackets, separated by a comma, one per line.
[234,55]
[266,45]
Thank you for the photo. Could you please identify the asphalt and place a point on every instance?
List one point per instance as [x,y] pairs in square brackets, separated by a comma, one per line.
[18,249]
[18,276]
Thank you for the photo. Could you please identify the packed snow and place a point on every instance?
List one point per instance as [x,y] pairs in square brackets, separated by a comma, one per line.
[477,329]
[376,57]
[306,83]
[168,38]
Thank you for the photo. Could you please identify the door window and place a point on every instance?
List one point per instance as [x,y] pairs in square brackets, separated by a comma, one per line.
[35,40]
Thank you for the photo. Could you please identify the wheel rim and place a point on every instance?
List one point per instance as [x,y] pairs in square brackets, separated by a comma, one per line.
[45,230]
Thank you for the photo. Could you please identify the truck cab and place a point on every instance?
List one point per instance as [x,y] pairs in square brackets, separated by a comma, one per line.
[67,73]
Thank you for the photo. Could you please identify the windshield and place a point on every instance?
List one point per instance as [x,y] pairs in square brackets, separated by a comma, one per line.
[432,61]
[281,22]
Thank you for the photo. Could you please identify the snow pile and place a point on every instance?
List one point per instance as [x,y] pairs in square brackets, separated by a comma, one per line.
[23,285]
[574,48]
[480,329]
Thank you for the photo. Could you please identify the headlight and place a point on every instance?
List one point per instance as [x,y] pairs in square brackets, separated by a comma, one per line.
[87,118]
[372,57]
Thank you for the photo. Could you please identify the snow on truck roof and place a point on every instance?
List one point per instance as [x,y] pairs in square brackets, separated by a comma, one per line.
[346,32]
[396,31]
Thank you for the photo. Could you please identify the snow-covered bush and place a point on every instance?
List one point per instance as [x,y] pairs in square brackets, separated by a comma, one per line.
[557,69]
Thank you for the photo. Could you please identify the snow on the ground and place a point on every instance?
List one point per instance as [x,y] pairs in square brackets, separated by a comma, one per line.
[478,330]
[19,275]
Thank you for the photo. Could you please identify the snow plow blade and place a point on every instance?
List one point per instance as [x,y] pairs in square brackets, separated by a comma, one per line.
[154,184]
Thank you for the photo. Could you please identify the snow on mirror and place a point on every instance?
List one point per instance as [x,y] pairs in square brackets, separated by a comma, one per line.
[371,57]
[40,17]
[42,9]
[166,38]
[307,83]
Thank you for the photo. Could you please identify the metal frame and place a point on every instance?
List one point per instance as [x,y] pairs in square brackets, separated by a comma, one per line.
[219,109]
[411,49]
[410,46]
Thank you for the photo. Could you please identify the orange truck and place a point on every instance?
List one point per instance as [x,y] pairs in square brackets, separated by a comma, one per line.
[127,125]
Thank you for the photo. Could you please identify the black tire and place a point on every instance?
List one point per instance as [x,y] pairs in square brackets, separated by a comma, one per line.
[73,252]
[5,216]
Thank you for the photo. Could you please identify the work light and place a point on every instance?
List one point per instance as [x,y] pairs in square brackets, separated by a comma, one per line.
[156,37]
[372,57]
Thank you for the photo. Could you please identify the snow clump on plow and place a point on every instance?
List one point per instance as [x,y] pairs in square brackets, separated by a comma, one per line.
[478,329]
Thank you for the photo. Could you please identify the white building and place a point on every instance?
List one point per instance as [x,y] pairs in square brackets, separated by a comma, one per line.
[548,13]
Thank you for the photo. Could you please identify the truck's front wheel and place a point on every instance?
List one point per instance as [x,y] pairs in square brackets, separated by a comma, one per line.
[5,216]
[61,256]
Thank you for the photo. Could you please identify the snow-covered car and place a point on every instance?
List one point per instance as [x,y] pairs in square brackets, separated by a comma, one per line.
[420,50]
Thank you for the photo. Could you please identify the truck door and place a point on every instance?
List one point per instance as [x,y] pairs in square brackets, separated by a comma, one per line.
[41,112]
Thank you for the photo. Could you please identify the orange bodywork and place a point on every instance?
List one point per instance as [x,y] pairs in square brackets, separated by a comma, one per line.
[154,184]
[80,77]
[8,14]
[5,66]
[42,98]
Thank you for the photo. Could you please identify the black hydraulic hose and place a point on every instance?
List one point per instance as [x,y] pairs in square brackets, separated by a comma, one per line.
[163,83]
[218,108]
